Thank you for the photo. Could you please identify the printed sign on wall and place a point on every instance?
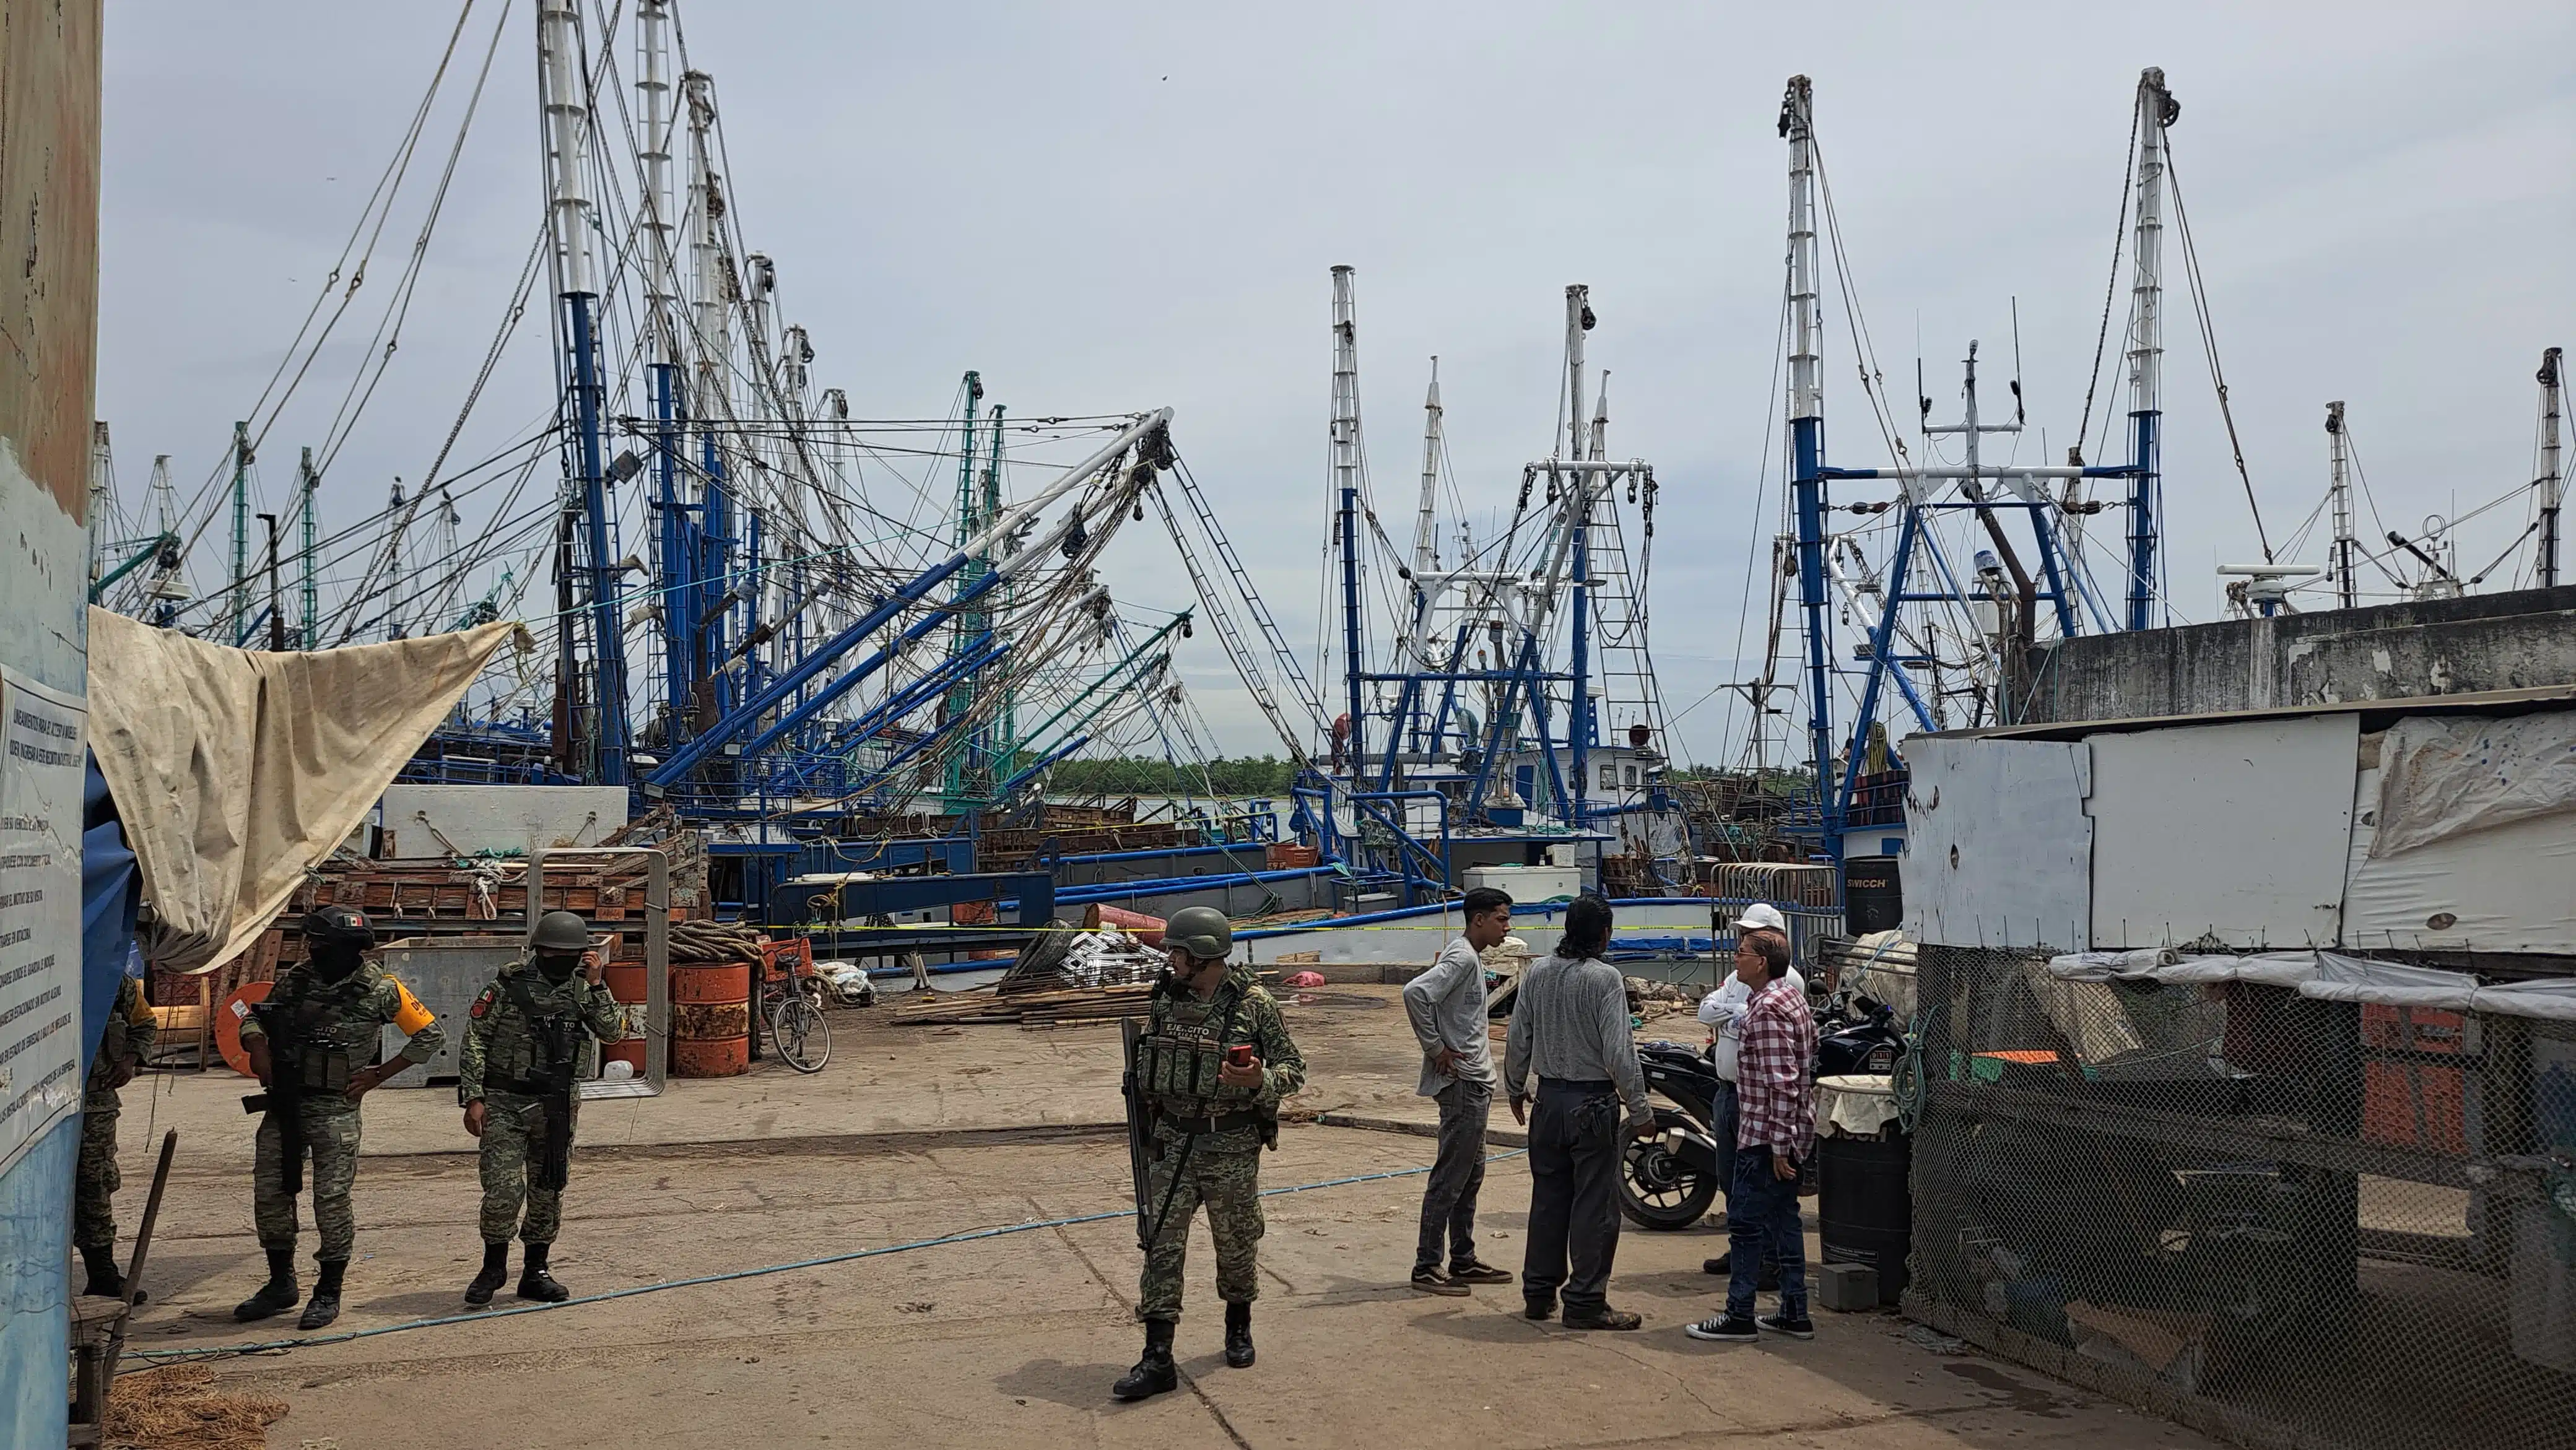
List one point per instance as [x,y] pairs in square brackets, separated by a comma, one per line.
[41,756]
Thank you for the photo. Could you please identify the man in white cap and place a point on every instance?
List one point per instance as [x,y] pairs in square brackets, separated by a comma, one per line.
[1723,1013]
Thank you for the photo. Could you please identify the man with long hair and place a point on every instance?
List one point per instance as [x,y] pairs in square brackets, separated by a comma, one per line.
[1570,1027]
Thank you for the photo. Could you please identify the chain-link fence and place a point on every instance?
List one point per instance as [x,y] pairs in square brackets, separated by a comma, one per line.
[2225,1195]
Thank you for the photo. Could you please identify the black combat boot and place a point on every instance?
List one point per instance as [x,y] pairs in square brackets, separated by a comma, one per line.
[276,1296]
[535,1283]
[496,1272]
[1154,1374]
[104,1280]
[1238,1335]
[324,1306]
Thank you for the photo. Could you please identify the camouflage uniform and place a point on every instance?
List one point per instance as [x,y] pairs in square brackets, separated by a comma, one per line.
[131,1031]
[335,1026]
[508,1051]
[1220,1169]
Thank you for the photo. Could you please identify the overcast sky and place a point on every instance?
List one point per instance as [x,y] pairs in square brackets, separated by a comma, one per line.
[1109,207]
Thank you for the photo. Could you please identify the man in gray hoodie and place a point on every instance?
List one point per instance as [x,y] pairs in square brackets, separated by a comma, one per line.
[1570,1027]
[1446,1006]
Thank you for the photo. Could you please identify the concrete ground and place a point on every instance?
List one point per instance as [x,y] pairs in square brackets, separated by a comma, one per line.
[1012,1339]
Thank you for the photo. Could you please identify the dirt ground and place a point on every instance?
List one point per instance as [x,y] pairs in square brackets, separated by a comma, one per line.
[1010,1338]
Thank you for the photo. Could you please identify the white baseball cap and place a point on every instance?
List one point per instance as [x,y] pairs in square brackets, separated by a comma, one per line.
[1762,916]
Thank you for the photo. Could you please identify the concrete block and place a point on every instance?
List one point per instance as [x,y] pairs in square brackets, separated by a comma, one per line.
[1845,1288]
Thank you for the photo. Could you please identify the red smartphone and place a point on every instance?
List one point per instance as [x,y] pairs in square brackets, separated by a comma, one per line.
[1240,1054]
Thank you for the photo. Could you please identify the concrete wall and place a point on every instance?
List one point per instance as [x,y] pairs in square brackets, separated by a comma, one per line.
[49,149]
[2508,641]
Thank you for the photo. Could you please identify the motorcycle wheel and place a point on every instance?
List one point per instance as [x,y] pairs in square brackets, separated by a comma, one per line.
[1656,1189]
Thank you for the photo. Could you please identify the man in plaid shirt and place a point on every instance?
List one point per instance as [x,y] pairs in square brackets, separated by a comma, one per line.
[1775,1132]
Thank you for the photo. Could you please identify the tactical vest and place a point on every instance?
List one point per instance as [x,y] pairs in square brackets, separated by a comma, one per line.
[312,1033]
[554,1034]
[1180,1060]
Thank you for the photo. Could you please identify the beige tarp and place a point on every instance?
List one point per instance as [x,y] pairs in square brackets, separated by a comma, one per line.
[237,771]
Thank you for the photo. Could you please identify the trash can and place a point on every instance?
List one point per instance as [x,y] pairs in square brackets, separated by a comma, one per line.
[1864,1198]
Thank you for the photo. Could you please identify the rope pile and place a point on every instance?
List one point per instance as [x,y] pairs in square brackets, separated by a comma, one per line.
[714,941]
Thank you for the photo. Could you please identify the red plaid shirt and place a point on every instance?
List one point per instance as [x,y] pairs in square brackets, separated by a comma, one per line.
[1775,1100]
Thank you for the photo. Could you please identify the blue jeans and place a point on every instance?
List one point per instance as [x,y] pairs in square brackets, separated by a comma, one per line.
[1762,1221]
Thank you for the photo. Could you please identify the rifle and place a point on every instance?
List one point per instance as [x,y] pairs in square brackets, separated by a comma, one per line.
[284,1099]
[1140,1128]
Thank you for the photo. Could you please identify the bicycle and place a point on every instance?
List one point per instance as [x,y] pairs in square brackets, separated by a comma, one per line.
[791,1002]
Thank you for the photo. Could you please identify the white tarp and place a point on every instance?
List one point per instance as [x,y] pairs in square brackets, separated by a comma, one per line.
[2442,777]
[236,771]
[2499,888]
[2333,977]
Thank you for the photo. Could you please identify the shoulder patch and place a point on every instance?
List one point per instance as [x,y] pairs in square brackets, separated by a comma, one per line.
[483,1001]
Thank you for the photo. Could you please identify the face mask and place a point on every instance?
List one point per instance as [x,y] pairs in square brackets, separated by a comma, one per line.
[335,963]
[558,968]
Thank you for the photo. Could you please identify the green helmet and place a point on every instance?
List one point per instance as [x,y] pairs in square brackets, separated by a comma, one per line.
[561,931]
[1202,931]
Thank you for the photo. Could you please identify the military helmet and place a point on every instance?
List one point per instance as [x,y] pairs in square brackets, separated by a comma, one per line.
[1202,931]
[561,931]
[327,926]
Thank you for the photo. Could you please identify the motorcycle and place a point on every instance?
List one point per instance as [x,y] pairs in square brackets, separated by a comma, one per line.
[1668,1181]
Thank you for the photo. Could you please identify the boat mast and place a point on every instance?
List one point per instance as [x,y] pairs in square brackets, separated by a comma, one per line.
[1346,492]
[672,573]
[1426,533]
[2553,478]
[2157,110]
[1578,520]
[2339,464]
[241,534]
[1807,444]
[102,498]
[711,289]
[310,485]
[564,105]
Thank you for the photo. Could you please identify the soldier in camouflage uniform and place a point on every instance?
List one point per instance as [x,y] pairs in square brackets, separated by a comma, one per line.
[529,1036]
[313,1045]
[1212,1117]
[131,1030]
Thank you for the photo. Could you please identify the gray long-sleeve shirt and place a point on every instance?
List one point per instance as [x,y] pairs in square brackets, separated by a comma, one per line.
[1570,1020]
[1447,1008]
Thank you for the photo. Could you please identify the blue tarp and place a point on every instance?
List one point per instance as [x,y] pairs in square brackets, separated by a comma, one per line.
[110,892]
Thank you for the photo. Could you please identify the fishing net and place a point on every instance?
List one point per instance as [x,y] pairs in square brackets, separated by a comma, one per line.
[2256,1201]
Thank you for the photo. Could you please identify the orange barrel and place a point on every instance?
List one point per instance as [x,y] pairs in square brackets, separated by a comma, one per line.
[627,984]
[978,913]
[1146,929]
[710,1019]
[230,1014]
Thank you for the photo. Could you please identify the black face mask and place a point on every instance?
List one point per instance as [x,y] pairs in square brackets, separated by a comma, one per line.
[334,963]
[558,969]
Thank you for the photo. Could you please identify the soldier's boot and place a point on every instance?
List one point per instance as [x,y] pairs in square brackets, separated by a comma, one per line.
[324,1306]
[104,1280]
[1155,1374]
[535,1283]
[496,1272]
[276,1296]
[1238,1335]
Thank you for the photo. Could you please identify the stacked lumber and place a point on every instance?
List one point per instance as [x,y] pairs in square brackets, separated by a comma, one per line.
[1038,1009]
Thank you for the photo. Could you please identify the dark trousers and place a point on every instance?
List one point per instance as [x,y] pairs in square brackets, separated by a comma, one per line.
[1449,1199]
[1722,1124]
[1762,1221]
[1574,1194]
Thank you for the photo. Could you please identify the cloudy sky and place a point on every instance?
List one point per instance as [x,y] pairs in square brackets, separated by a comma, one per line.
[1109,206]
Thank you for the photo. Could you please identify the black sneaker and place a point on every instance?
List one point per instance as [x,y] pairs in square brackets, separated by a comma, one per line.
[1604,1317]
[1432,1281]
[1799,1328]
[1477,1271]
[1538,1309]
[1724,1329]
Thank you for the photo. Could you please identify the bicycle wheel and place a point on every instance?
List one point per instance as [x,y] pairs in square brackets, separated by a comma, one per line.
[803,1037]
